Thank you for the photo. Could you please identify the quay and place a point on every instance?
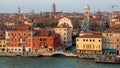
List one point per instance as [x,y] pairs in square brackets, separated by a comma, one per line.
[37,54]
[107,59]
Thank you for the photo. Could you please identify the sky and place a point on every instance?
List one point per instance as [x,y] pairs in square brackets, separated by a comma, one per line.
[10,6]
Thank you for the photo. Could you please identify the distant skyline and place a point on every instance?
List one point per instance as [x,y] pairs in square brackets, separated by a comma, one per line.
[26,6]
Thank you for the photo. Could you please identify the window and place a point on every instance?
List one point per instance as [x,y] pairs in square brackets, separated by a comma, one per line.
[110,34]
[93,46]
[99,46]
[0,45]
[29,34]
[83,39]
[77,39]
[40,39]
[90,40]
[86,39]
[77,46]
[83,46]
[43,39]
[99,40]
[23,40]
[40,44]
[93,40]
[29,39]
[107,34]
[19,34]
[0,41]
[15,34]
[117,40]
[51,38]
[64,29]
[3,45]
[24,34]
[64,38]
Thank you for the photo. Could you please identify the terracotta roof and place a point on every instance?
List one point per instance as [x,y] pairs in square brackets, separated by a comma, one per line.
[88,31]
[91,36]
[2,38]
[112,29]
[21,27]
[45,32]
[117,17]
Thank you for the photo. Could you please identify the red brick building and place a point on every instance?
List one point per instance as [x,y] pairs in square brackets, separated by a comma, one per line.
[46,39]
[19,39]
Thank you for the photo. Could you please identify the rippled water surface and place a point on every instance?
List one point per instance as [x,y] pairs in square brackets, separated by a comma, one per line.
[51,62]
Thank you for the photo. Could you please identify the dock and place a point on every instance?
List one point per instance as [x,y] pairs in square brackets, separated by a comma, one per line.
[107,59]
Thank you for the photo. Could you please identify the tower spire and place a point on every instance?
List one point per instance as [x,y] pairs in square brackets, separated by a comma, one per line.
[19,10]
[53,8]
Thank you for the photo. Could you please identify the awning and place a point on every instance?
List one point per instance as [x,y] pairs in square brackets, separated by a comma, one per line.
[109,50]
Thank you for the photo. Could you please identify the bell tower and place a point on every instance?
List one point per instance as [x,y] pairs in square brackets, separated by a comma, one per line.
[87,11]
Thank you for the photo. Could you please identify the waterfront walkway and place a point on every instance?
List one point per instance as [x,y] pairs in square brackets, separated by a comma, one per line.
[51,53]
[36,54]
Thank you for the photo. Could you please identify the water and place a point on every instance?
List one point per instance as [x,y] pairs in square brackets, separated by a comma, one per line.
[51,62]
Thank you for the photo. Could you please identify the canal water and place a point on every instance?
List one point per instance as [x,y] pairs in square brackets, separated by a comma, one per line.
[51,62]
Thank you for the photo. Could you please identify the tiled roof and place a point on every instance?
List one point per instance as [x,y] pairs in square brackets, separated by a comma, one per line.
[112,29]
[91,36]
[21,27]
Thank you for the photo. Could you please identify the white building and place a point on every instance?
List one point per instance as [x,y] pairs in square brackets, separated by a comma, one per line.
[64,28]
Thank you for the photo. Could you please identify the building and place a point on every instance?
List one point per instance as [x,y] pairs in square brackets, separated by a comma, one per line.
[93,23]
[87,11]
[111,39]
[19,10]
[46,39]
[65,28]
[2,44]
[114,21]
[53,8]
[19,39]
[89,42]
[9,24]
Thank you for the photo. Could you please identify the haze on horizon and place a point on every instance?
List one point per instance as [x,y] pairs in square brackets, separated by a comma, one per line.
[61,5]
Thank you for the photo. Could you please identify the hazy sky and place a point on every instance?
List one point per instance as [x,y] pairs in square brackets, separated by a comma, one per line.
[10,6]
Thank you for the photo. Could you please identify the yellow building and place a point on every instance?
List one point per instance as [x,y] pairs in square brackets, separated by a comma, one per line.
[111,39]
[89,43]
[9,24]
[2,44]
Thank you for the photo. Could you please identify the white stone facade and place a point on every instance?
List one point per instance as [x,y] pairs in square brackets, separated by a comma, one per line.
[65,31]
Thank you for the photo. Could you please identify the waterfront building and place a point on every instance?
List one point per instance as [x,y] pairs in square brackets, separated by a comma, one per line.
[19,39]
[2,43]
[46,39]
[89,42]
[111,39]
[65,28]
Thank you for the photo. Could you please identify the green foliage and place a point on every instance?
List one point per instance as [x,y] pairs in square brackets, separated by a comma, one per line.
[46,24]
